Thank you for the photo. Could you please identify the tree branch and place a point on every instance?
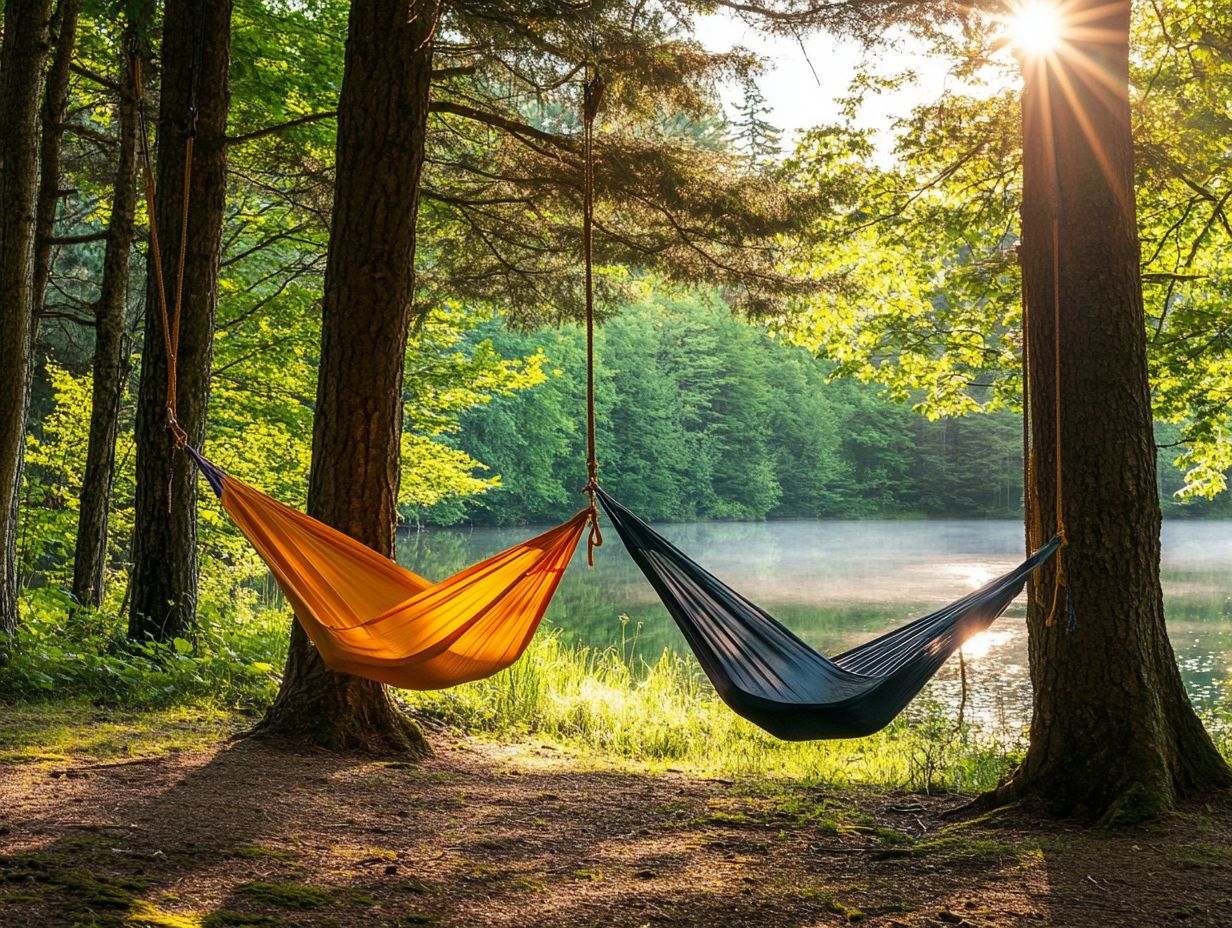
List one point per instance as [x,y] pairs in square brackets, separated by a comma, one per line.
[460,70]
[264,243]
[281,127]
[92,134]
[77,239]
[497,121]
[99,79]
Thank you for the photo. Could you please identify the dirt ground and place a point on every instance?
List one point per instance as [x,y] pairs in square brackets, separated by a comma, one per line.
[259,834]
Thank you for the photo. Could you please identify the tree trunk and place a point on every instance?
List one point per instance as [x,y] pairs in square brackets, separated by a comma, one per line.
[369,287]
[55,99]
[196,38]
[110,358]
[1113,736]
[24,50]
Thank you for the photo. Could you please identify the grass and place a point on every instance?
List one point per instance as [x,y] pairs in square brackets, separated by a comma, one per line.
[664,714]
[55,733]
[607,706]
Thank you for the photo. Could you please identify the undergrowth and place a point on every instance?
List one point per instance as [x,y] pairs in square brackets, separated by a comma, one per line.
[609,703]
[665,713]
[82,654]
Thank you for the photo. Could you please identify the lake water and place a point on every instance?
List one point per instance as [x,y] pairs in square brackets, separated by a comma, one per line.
[839,583]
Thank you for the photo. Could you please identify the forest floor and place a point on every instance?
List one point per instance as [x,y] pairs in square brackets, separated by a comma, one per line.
[168,824]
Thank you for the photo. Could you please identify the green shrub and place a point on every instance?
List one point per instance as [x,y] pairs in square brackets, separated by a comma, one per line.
[78,653]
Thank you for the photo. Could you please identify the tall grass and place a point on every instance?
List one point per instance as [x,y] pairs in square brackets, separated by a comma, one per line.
[608,703]
[664,713]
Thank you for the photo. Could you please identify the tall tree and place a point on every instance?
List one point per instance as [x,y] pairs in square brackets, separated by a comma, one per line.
[55,99]
[110,349]
[22,55]
[752,134]
[194,99]
[503,193]
[369,289]
[1113,735]
[1113,732]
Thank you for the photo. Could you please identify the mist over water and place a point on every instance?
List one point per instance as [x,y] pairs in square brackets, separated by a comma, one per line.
[839,583]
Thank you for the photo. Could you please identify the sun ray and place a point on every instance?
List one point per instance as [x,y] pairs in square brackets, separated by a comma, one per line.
[1090,134]
[1053,41]
[1036,27]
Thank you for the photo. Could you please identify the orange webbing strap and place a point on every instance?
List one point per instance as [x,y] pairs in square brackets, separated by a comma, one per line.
[592,92]
[1030,497]
[1062,579]
[171,318]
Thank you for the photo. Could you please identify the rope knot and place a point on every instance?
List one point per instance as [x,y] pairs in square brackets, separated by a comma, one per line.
[1061,585]
[594,538]
[592,97]
[178,435]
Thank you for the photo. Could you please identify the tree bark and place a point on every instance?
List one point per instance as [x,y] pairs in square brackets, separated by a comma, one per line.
[196,38]
[110,357]
[22,55]
[369,287]
[55,99]
[1113,735]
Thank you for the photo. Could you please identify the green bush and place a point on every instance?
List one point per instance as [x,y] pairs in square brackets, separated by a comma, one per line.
[75,653]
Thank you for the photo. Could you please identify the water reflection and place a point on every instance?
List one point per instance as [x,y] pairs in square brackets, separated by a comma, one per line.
[838,583]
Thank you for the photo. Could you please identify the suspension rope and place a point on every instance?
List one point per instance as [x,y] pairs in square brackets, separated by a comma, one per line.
[1032,528]
[1061,585]
[592,92]
[1060,590]
[170,316]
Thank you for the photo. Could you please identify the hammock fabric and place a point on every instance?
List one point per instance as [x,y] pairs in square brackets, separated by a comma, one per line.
[370,617]
[772,678]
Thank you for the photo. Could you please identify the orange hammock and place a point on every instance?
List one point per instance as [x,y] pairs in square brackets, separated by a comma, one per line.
[370,617]
[366,615]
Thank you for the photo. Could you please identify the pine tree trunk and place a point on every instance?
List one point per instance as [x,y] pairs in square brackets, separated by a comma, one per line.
[55,99]
[24,50]
[110,359]
[369,288]
[1113,736]
[196,35]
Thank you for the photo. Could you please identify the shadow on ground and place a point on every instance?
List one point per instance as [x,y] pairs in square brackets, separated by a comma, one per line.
[263,834]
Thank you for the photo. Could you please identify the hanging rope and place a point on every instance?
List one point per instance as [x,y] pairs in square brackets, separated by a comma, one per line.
[1061,586]
[170,316]
[592,93]
[1032,528]
[1060,590]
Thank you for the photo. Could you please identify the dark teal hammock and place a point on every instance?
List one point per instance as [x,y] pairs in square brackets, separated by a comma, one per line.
[772,678]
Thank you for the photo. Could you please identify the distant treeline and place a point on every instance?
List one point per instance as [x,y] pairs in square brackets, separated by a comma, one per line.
[701,416]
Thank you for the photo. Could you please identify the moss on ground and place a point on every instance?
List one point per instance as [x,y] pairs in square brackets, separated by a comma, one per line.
[301,895]
[80,889]
[59,733]
[1202,856]
[951,849]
